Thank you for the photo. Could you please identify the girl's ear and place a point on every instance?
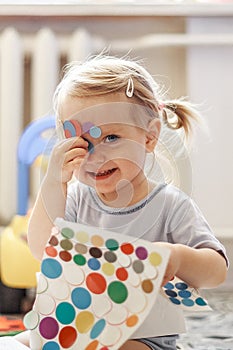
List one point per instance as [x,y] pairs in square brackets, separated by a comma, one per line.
[152,134]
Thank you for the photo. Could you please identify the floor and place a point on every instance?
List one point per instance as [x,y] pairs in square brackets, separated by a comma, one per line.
[211,330]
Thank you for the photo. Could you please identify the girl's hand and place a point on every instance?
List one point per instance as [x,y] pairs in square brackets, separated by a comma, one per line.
[173,262]
[65,158]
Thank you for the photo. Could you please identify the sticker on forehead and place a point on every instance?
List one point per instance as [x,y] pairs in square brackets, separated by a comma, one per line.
[95,132]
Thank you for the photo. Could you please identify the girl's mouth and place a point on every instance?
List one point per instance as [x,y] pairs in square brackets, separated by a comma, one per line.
[101,175]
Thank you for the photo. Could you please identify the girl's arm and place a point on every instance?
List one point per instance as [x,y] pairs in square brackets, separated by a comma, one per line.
[200,268]
[51,201]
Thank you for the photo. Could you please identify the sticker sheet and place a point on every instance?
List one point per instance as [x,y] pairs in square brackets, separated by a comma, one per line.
[95,288]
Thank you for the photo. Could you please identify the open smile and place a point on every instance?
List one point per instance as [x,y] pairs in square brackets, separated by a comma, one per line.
[101,175]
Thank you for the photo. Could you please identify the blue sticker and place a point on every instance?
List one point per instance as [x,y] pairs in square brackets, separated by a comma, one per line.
[97,328]
[95,132]
[51,345]
[81,298]
[181,285]
[51,268]
[187,302]
[94,264]
[201,302]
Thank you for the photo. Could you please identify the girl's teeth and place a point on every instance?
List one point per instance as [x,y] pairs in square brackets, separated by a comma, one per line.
[103,173]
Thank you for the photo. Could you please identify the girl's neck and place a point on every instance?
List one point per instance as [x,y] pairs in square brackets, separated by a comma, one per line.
[127,193]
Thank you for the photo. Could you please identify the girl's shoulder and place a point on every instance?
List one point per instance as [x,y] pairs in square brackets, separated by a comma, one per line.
[169,191]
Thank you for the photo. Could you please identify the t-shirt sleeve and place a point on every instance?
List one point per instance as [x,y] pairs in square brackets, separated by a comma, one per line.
[187,225]
[71,203]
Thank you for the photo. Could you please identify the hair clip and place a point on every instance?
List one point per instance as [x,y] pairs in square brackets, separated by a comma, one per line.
[130,88]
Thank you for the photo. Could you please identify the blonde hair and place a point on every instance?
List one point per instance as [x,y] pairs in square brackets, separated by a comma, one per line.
[102,74]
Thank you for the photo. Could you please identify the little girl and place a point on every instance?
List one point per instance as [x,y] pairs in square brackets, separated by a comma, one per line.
[109,114]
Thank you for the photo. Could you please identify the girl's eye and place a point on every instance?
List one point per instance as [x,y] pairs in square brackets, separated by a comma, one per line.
[111,138]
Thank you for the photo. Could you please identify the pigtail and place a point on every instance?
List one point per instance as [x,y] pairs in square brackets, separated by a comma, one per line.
[179,114]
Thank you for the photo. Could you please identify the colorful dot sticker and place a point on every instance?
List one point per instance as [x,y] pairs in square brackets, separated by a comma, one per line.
[65,256]
[141,253]
[97,241]
[65,313]
[94,264]
[97,287]
[67,232]
[117,292]
[51,268]
[87,126]
[51,251]
[82,236]
[67,336]
[127,248]
[108,269]
[95,132]
[49,327]
[53,241]
[97,329]
[81,298]
[51,345]
[132,321]
[96,283]
[180,293]
[155,259]
[110,257]
[72,128]
[80,248]
[84,321]
[79,259]
[122,274]
[112,244]
[95,252]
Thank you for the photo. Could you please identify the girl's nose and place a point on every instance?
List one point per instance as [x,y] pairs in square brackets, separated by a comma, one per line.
[97,153]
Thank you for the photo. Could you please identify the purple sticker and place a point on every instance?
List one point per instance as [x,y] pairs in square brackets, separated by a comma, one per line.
[49,328]
[141,253]
[87,126]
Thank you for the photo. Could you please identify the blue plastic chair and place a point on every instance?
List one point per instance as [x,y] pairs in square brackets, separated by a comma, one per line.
[31,145]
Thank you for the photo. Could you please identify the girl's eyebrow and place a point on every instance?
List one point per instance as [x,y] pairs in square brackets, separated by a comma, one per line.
[110,128]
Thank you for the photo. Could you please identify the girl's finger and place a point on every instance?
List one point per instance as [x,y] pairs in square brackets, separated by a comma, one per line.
[71,143]
[75,153]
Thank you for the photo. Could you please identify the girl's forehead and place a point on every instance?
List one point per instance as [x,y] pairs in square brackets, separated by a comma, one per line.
[105,113]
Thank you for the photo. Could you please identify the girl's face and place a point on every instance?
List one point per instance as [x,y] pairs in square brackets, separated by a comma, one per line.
[114,166]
